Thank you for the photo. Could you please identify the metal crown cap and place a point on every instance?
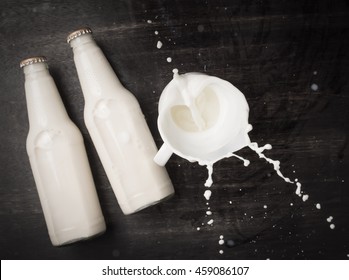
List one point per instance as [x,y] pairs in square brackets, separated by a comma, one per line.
[32,60]
[78,33]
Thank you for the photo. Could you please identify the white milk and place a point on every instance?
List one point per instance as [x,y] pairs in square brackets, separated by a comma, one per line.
[118,129]
[201,118]
[58,160]
[205,119]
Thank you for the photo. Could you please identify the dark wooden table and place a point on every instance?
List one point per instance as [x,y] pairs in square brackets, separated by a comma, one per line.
[273,51]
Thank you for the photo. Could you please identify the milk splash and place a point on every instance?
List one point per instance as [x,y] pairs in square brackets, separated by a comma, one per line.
[200,122]
[187,88]
[204,119]
[252,145]
[259,151]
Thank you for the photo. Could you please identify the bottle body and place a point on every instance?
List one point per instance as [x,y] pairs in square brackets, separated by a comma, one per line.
[59,163]
[119,131]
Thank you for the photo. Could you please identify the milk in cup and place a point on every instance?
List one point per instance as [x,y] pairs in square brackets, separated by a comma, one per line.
[201,118]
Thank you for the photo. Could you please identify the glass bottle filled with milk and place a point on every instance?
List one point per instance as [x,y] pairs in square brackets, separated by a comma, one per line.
[118,129]
[58,160]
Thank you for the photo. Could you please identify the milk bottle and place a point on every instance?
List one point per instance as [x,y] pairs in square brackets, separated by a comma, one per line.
[58,160]
[118,129]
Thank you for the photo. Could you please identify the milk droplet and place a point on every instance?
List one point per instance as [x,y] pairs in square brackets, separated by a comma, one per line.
[329,219]
[332,226]
[159,44]
[169,59]
[221,242]
[318,206]
[175,71]
[315,72]
[198,228]
[265,206]
[314,87]
[149,21]
[208,213]
[156,32]
[305,197]
[221,237]
[210,222]
[221,252]
[207,194]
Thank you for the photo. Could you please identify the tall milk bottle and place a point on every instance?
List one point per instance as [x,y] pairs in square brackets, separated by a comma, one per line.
[118,129]
[58,160]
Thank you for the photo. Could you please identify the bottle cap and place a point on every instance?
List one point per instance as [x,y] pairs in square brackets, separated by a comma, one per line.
[78,33]
[32,60]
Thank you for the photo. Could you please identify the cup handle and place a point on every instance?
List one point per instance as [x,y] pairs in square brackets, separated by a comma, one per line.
[163,155]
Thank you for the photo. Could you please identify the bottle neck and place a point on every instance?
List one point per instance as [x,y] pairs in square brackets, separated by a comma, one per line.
[45,106]
[97,78]
[82,40]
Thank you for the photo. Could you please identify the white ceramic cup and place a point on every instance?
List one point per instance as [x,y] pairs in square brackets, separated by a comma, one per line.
[201,118]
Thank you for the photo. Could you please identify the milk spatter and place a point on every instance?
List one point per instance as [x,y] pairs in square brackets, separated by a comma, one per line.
[58,160]
[205,119]
[118,129]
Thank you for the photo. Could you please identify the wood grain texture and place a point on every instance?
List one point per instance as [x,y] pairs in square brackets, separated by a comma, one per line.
[270,50]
